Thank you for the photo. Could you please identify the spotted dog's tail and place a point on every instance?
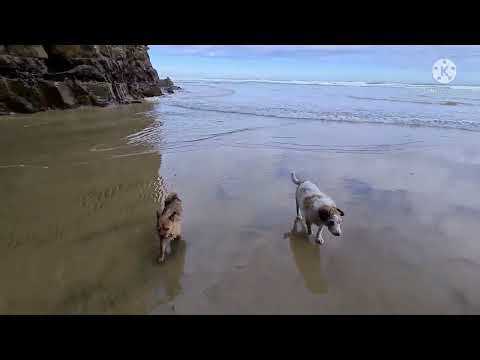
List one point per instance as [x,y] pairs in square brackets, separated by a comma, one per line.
[295,180]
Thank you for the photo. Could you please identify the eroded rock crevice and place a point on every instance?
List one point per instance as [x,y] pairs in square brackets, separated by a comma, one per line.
[41,77]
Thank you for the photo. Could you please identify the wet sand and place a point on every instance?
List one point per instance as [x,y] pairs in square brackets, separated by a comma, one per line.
[79,190]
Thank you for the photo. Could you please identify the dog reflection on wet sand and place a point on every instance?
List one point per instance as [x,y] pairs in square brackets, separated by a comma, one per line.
[173,270]
[169,224]
[306,255]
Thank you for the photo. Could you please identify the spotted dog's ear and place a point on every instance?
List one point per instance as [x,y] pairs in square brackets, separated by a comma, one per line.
[324,213]
[340,211]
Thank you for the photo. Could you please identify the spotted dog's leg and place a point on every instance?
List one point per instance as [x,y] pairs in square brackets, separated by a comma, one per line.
[319,237]
[299,216]
[309,227]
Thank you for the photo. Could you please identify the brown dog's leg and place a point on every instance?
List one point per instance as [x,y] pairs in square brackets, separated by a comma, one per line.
[161,258]
[309,227]
[163,251]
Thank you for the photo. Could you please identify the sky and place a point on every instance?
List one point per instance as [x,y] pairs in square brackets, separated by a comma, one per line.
[385,63]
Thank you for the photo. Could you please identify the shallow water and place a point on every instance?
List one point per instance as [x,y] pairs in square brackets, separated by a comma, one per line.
[79,190]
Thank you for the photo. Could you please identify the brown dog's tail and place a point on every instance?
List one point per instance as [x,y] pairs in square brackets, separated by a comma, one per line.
[173,205]
[170,197]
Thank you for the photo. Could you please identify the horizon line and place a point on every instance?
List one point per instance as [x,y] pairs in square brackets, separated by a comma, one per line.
[327,82]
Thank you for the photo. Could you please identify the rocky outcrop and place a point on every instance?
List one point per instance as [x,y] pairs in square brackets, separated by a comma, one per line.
[41,77]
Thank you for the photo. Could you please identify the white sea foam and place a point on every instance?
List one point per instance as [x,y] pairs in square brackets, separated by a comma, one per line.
[336,83]
[414,105]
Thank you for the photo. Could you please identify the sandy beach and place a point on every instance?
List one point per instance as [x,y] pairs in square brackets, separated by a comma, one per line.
[79,190]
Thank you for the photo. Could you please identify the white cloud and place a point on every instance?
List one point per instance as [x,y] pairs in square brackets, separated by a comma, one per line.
[255,50]
[319,50]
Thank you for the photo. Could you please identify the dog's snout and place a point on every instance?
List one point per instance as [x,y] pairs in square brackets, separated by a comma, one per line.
[336,232]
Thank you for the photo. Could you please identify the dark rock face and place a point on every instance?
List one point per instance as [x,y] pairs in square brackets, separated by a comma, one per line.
[40,77]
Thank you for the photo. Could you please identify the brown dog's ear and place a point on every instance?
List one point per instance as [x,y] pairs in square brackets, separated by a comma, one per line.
[340,211]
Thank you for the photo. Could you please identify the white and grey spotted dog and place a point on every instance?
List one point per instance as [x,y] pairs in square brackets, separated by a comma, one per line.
[317,208]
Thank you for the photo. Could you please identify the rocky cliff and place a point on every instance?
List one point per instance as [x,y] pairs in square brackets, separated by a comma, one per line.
[40,77]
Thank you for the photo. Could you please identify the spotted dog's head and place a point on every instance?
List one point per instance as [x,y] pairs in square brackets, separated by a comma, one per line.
[332,218]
